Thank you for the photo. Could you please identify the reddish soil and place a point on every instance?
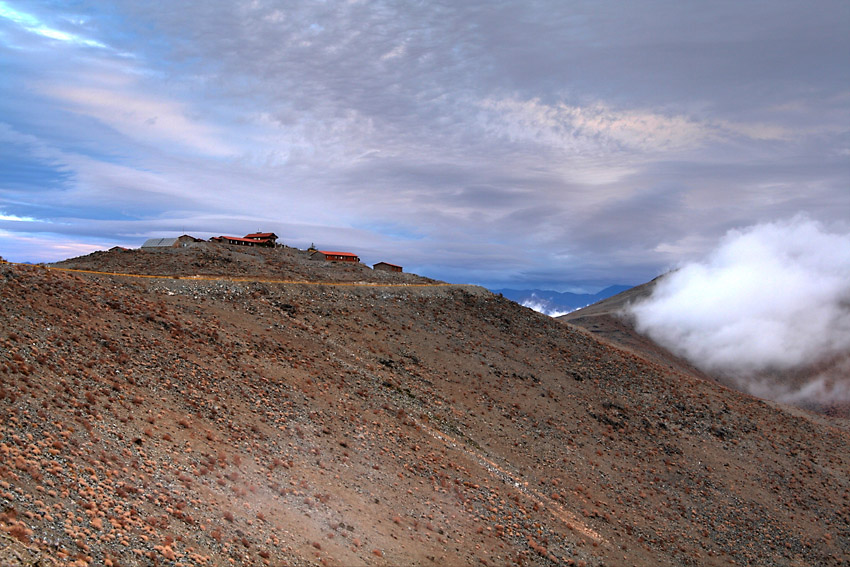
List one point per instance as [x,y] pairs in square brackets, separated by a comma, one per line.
[167,421]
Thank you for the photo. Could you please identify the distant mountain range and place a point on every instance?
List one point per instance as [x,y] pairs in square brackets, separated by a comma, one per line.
[555,303]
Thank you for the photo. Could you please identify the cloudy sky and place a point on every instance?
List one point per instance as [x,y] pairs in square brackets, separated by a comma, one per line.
[525,143]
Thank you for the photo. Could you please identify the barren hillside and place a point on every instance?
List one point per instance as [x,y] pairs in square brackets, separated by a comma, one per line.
[186,421]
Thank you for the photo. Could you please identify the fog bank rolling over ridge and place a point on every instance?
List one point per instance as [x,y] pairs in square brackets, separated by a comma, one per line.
[770,301]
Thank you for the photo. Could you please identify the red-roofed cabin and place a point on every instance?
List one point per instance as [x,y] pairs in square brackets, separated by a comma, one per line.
[387,267]
[266,238]
[334,256]
[237,241]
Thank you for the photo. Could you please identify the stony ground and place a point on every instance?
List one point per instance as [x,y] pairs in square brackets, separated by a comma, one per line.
[168,421]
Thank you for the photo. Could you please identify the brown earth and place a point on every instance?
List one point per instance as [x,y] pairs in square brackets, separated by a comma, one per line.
[169,421]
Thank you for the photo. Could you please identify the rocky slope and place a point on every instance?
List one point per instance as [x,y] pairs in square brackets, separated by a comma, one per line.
[169,421]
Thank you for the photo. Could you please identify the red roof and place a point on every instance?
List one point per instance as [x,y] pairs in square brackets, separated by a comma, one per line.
[238,239]
[261,235]
[329,253]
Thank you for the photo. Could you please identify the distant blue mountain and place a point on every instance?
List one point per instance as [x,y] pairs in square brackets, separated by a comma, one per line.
[554,303]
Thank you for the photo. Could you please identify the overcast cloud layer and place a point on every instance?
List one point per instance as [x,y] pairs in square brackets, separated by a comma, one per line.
[544,144]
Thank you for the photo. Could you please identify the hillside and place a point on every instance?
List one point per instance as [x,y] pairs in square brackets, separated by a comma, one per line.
[177,421]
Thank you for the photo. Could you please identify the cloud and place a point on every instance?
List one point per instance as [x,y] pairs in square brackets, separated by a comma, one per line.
[142,117]
[543,306]
[33,25]
[14,218]
[770,301]
[591,129]
[47,247]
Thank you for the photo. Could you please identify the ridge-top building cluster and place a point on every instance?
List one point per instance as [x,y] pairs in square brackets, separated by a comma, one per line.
[263,239]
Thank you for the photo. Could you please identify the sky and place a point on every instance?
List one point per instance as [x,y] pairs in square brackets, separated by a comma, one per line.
[547,144]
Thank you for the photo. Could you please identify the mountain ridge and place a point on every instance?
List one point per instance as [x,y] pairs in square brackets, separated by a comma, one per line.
[550,302]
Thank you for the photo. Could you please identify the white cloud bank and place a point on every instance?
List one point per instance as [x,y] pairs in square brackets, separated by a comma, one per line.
[771,300]
[545,307]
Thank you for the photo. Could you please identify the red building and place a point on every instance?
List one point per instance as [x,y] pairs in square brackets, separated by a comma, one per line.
[268,238]
[334,256]
[254,239]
